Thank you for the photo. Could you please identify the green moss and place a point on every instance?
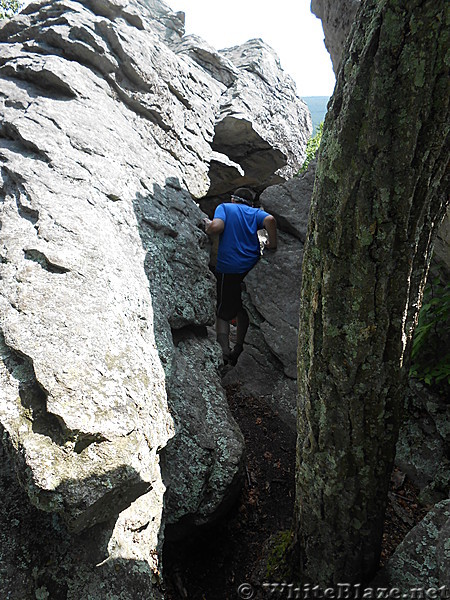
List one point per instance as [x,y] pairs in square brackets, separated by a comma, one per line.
[278,563]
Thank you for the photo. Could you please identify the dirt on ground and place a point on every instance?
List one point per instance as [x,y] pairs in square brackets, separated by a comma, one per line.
[229,561]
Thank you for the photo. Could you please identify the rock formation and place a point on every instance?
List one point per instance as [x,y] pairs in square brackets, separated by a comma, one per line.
[423,557]
[113,123]
[337,19]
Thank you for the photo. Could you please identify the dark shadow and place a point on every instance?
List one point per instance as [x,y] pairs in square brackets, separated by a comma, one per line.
[40,558]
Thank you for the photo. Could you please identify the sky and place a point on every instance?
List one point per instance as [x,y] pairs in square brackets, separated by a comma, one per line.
[287,25]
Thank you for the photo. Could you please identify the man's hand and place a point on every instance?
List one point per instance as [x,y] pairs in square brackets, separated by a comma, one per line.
[270,247]
[270,225]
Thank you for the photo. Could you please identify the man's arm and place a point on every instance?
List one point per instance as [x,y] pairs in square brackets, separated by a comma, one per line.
[214,226]
[270,225]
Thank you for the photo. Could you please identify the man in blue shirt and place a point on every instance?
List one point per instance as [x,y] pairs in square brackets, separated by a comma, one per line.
[238,223]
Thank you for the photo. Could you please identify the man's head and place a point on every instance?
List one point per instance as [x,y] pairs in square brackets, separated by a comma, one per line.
[243,196]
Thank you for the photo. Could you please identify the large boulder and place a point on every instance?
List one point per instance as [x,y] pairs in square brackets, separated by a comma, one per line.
[39,558]
[423,557]
[337,19]
[255,128]
[262,125]
[423,447]
[107,138]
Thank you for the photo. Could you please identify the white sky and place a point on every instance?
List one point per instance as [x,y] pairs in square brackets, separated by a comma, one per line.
[287,25]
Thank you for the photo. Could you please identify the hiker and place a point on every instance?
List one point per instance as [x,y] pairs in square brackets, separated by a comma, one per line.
[237,222]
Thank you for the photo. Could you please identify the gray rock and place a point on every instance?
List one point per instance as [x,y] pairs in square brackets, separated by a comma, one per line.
[208,447]
[423,444]
[106,139]
[289,202]
[39,559]
[260,374]
[263,125]
[337,19]
[276,297]
[423,558]
[209,59]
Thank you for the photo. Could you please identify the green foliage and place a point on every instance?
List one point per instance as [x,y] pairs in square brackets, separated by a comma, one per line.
[312,145]
[430,357]
[8,8]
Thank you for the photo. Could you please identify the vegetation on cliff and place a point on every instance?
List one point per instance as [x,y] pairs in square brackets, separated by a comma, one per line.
[8,8]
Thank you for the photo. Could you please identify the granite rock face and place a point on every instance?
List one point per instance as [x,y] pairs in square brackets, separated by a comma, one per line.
[262,127]
[109,131]
[423,557]
[337,19]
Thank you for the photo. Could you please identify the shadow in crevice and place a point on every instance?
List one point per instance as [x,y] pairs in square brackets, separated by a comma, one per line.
[207,441]
[40,558]
[32,396]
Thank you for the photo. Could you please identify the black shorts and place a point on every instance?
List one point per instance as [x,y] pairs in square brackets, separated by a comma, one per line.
[229,299]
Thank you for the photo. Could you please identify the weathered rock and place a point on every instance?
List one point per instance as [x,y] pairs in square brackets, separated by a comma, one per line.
[256,128]
[208,58]
[337,19]
[424,442]
[83,385]
[208,448]
[423,558]
[289,203]
[39,559]
[108,121]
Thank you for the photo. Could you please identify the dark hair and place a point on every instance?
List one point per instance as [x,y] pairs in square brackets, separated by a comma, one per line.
[244,195]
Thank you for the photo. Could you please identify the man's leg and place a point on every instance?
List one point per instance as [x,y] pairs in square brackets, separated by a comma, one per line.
[223,335]
[242,326]
[241,331]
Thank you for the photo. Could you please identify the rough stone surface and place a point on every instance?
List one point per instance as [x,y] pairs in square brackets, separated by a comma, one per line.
[39,559]
[424,443]
[108,131]
[423,558]
[255,129]
[289,203]
[202,417]
[337,19]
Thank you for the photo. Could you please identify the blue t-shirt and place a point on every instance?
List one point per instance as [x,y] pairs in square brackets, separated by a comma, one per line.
[239,248]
